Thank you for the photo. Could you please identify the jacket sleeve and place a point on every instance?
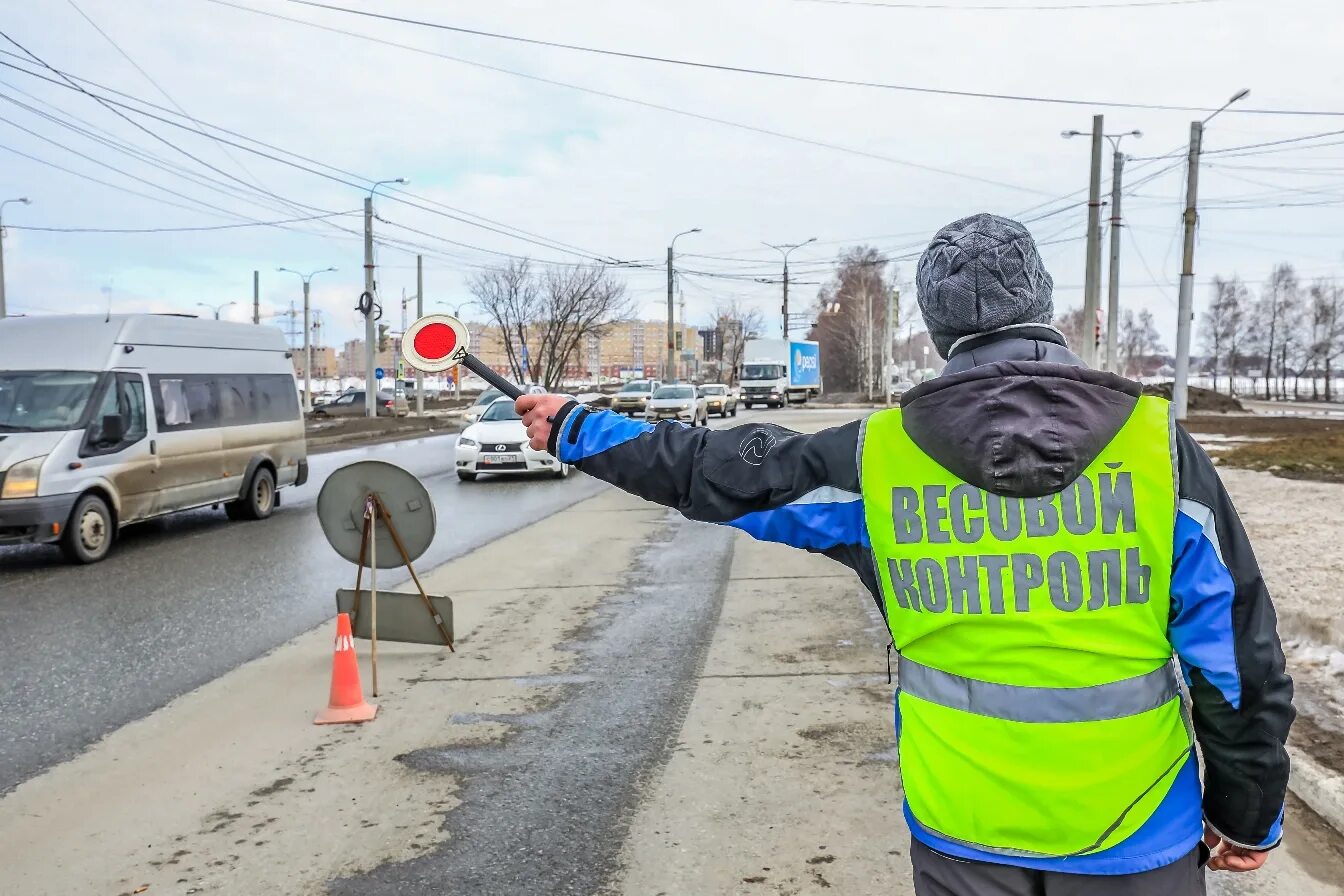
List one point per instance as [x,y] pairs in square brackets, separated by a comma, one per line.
[1225,634]
[771,482]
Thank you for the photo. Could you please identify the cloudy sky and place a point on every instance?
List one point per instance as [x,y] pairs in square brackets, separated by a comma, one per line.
[513,148]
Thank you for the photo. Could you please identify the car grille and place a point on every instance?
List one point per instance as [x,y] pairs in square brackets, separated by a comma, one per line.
[495,468]
[501,447]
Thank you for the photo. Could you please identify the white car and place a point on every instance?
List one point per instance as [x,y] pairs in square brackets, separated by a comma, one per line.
[489,396]
[677,402]
[497,443]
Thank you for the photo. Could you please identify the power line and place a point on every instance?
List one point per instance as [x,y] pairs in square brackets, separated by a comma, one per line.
[769,132]
[1132,4]
[109,105]
[128,174]
[792,76]
[70,79]
[178,229]
[108,184]
[317,173]
[142,155]
[1212,152]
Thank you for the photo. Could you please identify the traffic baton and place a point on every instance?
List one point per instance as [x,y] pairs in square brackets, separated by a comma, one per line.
[439,342]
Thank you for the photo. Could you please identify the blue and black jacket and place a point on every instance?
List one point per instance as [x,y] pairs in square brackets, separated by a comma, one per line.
[1014,412]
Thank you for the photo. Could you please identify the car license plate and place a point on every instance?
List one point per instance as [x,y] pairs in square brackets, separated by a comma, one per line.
[501,458]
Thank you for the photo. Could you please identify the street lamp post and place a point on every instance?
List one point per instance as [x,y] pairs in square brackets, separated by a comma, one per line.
[1113,288]
[784,249]
[366,302]
[215,308]
[1185,312]
[23,201]
[670,373]
[307,335]
[457,313]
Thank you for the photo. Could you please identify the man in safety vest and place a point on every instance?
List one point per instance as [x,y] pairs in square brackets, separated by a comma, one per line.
[1041,539]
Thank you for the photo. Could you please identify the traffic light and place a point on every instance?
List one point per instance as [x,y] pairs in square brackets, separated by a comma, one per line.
[678,340]
[383,330]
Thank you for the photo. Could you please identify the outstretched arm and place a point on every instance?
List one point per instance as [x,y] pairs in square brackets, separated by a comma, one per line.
[774,483]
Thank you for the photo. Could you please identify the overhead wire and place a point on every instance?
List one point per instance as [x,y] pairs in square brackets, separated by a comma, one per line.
[205,227]
[792,76]
[166,95]
[808,141]
[285,161]
[1038,7]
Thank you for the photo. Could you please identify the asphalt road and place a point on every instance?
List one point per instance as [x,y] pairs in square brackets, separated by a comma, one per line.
[185,599]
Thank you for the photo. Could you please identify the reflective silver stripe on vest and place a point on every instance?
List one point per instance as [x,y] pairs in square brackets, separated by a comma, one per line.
[1115,700]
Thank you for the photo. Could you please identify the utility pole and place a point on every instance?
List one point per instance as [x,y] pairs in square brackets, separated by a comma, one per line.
[894,307]
[1186,296]
[307,350]
[784,249]
[1185,312]
[307,332]
[256,297]
[682,367]
[1092,282]
[419,313]
[367,306]
[1113,291]
[22,201]
[670,373]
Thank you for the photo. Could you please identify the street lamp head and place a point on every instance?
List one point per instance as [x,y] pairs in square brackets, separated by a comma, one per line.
[325,270]
[285,271]
[1240,95]
[694,230]
[1067,134]
[1136,133]
[24,200]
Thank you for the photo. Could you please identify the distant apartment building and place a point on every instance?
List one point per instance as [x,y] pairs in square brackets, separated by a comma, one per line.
[350,362]
[326,364]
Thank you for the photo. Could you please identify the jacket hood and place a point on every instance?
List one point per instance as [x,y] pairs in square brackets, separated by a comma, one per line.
[1021,428]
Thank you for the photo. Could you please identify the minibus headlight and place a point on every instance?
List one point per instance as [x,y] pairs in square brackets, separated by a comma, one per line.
[21,479]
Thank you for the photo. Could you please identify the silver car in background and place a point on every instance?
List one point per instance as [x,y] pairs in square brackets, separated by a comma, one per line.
[681,402]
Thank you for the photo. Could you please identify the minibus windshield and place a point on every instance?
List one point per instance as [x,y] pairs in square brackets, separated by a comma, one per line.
[43,400]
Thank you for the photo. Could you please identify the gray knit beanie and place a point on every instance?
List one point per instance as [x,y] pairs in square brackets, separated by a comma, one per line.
[980,274]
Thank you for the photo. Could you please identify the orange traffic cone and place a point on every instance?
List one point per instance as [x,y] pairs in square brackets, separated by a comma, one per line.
[347,697]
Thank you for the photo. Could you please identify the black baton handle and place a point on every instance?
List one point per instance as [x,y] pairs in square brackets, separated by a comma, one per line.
[472,363]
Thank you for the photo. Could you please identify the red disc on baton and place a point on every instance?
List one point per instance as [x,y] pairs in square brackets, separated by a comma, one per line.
[435,342]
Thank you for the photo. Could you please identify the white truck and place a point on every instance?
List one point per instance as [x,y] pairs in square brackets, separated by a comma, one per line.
[776,371]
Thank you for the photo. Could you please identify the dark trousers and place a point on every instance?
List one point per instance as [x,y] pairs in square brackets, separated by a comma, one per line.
[937,874]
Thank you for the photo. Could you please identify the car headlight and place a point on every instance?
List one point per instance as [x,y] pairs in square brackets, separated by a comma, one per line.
[464,442]
[21,480]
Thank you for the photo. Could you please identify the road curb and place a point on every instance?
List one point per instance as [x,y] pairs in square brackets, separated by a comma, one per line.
[1318,787]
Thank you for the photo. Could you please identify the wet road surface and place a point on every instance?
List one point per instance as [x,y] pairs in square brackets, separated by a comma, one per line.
[182,600]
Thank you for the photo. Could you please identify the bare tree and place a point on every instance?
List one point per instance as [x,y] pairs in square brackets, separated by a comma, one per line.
[1070,323]
[1138,341]
[1222,327]
[736,323]
[1276,304]
[543,317]
[851,319]
[1326,322]
[577,301]
[510,295]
